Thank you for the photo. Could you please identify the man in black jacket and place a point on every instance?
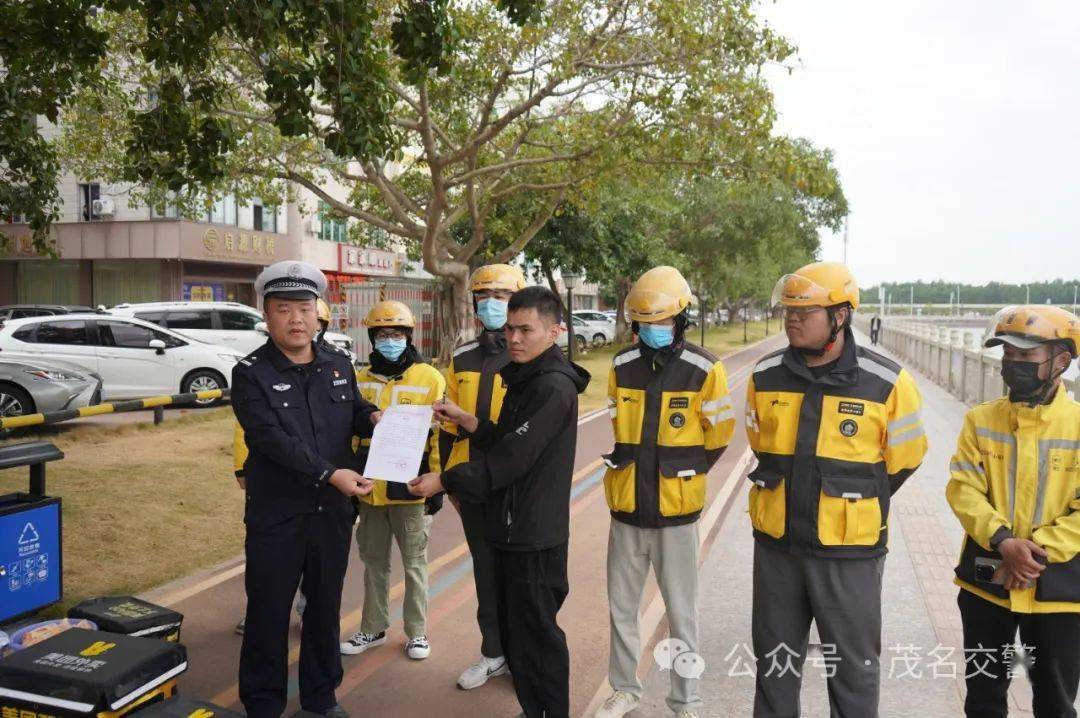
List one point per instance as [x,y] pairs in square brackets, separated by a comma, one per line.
[524,481]
[299,407]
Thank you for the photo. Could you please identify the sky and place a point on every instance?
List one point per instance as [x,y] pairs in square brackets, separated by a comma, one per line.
[955,130]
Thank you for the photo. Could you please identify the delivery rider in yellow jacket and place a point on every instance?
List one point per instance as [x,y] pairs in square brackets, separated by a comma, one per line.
[240,449]
[1015,487]
[672,416]
[836,429]
[473,383]
[390,514]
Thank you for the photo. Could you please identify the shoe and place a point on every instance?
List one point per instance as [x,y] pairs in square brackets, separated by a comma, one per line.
[360,642]
[617,705]
[418,648]
[478,673]
[239,630]
[336,712]
[686,714]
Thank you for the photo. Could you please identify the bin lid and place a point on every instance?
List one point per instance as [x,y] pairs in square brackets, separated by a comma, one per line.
[126,614]
[183,707]
[90,671]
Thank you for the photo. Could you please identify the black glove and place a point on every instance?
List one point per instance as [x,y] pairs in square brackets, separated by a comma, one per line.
[433,504]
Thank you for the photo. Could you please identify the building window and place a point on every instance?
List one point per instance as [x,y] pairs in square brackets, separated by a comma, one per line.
[11,217]
[87,194]
[331,228]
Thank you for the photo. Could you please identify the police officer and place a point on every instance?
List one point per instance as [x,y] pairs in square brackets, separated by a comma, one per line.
[1015,488]
[240,449]
[299,407]
[836,430]
[672,416]
[474,384]
[397,374]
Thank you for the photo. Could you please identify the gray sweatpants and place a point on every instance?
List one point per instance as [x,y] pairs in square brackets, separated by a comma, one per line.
[843,596]
[673,554]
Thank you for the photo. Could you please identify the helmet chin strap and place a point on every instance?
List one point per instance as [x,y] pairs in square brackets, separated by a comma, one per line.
[822,351]
[1051,381]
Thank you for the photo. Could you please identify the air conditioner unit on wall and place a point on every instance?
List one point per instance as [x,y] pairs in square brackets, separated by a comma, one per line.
[104,208]
[314,226]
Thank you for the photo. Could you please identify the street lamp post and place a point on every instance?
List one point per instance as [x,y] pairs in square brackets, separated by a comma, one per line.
[570,280]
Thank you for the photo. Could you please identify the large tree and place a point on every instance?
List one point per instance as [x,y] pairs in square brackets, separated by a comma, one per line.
[479,109]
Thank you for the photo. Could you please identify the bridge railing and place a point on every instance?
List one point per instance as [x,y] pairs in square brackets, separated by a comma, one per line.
[952,358]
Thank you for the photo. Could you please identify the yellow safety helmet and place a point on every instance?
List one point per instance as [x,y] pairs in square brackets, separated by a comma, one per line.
[821,284]
[1027,326]
[389,313]
[324,311]
[660,293]
[497,276]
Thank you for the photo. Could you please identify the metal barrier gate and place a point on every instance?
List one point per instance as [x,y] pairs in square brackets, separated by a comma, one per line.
[419,296]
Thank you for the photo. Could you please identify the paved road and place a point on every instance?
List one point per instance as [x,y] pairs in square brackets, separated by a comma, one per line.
[384,682]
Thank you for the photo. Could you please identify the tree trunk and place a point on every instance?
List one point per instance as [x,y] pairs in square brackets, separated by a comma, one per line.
[549,274]
[622,329]
[456,323]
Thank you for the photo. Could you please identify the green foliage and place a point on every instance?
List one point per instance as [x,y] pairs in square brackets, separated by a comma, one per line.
[1058,291]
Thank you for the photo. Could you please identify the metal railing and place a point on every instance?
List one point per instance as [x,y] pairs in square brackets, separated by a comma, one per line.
[952,358]
[156,403]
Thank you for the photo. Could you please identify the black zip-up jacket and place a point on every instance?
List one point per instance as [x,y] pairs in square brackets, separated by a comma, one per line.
[298,423]
[524,475]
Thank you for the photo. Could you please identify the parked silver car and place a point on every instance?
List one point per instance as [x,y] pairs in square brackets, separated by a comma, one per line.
[29,387]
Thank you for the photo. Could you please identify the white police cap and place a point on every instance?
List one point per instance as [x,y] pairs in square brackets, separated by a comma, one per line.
[291,280]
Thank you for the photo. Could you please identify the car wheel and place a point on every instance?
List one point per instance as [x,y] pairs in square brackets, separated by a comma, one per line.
[203,380]
[579,343]
[598,340]
[14,402]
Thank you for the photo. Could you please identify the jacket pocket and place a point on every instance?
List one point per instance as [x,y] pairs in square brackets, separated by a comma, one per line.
[1059,582]
[768,501]
[966,569]
[682,480]
[619,480]
[849,511]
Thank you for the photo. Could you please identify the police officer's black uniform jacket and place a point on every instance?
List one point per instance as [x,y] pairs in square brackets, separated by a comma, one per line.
[527,467]
[298,424]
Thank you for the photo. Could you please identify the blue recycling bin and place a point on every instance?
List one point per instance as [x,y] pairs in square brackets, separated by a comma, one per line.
[31,559]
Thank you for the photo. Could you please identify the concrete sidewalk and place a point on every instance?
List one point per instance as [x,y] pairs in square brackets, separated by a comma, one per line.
[922,646]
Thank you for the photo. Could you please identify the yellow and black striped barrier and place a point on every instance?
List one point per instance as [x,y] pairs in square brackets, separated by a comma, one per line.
[151,402]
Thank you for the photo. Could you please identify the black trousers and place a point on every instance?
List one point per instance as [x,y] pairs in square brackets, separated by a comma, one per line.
[532,588]
[1054,640]
[483,560]
[310,551]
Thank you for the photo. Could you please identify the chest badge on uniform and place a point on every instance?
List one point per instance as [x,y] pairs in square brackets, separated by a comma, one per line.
[849,428]
[679,402]
[282,387]
[677,420]
[851,407]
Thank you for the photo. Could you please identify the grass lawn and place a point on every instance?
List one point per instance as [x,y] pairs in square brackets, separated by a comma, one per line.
[719,340]
[142,505]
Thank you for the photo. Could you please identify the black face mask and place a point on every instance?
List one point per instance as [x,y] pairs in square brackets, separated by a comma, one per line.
[1022,378]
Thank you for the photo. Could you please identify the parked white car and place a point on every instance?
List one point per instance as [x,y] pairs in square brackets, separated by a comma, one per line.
[591,315]
[134,358]
[597,332]
[583,333]
[230,324]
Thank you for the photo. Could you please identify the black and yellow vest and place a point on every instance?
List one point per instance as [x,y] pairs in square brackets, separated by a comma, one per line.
[672,418]
[473,383]
[831,450]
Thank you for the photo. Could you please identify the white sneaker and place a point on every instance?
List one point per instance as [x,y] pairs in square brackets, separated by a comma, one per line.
[478,673]
[418,648]
[360,642]
[619,704]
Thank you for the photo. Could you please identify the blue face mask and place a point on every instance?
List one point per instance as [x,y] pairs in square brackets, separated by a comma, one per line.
[392,349]
[492,313]
[656,336]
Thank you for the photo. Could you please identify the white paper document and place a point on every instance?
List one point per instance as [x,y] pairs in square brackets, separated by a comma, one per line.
[398,444]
